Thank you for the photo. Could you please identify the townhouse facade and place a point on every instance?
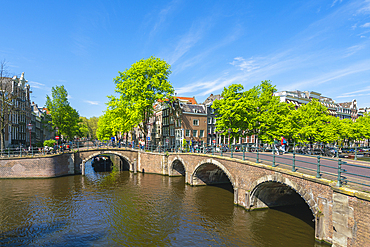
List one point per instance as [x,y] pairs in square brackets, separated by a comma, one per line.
[23,120]
[345,110]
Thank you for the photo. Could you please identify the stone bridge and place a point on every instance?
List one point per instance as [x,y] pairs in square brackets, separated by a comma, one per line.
[341,215]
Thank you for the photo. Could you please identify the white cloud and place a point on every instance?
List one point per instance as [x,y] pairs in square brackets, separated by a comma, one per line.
[163,15]
[186,43]
[366,25]
[365,8]
[334,2]
[35,84]
[92,102]
[243,64]
[354,49]
[333,75]
[362,92]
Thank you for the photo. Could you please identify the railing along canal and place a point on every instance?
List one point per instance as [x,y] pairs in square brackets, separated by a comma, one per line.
[343,172]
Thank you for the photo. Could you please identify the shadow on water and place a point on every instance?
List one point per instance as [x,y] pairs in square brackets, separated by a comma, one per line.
[226,186]
[300,211]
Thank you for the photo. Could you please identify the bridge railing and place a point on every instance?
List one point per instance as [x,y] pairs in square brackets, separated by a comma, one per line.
[320,165]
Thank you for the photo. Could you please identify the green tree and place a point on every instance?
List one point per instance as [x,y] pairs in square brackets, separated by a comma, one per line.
[83,129]
[105,130]
[253,112]
[138,88]
[92,125]
[363,125]
[63,116]
[312,123]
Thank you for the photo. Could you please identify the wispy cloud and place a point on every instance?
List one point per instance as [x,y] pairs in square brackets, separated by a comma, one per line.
[366,25]
[365,8]
[163,15]
[186,42]
[354,49]
[242,64]
[200,57]
[92,102]
[38,85]
[362,92]
[333,75]
[334,2]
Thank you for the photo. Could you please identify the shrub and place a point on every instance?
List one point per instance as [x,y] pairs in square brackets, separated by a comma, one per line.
[49,143]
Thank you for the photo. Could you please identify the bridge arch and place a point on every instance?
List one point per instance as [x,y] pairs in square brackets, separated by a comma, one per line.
[211,171]
[122,156]
[276,190]
[177,167]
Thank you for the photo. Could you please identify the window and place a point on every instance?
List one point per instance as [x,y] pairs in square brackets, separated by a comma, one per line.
[172,131]
[209,120]
[209,130]
[214,120]
[201,133]
[196,122]
[195,133]
[187,133]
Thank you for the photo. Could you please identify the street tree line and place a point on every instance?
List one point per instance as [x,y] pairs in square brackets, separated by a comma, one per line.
[241,113]
[257,111]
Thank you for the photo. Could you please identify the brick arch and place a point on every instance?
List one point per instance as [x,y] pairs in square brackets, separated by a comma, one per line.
[219,165]
[110,152]
[309,200]
[173,162]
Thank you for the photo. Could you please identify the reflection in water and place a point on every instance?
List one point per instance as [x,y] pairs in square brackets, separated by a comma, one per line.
[123,209]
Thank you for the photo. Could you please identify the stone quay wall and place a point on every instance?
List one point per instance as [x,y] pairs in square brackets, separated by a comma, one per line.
[38,167]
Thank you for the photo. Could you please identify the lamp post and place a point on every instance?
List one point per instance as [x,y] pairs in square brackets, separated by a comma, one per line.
[29,126]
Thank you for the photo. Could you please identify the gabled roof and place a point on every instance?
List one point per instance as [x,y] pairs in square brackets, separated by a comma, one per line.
[190,100]
[189,108]
[212,98]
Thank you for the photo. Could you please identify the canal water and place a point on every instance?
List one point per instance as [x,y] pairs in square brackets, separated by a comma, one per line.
[123,209]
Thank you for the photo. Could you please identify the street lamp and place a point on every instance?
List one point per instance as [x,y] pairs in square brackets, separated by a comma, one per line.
[29,126]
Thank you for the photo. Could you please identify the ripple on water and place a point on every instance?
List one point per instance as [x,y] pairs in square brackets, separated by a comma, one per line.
[124,209]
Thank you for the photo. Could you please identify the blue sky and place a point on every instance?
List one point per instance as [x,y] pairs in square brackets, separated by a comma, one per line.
[320,45]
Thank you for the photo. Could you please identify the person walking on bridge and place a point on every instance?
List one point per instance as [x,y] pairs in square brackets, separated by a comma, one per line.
[283,144]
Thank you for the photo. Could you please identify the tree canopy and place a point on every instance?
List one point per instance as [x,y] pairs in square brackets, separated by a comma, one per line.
[63,116]
[138,89]
[253,112]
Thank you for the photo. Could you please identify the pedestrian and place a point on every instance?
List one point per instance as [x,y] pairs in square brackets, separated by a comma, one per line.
[276,146]
[283,144]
